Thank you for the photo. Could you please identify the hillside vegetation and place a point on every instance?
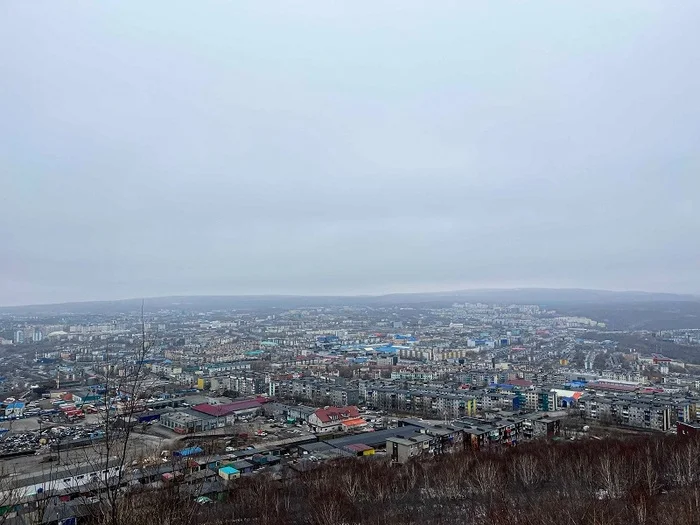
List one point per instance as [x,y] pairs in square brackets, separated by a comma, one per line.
[643,480]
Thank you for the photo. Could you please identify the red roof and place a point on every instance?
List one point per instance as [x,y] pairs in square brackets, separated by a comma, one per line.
[520,382]
[326,415]
[354,422]
[228,408]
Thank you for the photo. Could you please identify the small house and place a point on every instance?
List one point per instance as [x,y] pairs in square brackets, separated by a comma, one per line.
[228,473]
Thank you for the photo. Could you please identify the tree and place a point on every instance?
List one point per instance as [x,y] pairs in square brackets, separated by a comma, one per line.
[125,384]
[18,501]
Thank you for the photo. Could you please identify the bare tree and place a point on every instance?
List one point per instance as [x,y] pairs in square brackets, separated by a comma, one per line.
[113,456]
[613,482]
[683,463]
[10,495]
[485,477]
[526,470]
[30,498]
[650,475]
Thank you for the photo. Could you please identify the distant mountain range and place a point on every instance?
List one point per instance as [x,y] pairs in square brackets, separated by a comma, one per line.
[540,296]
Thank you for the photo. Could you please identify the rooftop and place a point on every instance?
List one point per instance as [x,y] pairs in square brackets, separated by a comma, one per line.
[410,441]
[227,409]
[326,415]
[185,416]
[374,439]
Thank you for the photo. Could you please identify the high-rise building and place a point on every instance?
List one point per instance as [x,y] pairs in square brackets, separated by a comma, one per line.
[38,335]
[19,337]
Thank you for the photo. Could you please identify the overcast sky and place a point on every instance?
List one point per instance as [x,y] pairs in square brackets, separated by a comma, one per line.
[197,147]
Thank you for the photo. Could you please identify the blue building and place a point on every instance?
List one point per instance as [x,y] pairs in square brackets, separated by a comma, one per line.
[14,409]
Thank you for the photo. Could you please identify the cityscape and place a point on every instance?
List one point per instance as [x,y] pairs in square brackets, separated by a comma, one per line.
[349,263]
[208,397]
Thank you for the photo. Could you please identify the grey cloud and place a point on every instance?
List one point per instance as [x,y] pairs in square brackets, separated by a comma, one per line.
[153,148]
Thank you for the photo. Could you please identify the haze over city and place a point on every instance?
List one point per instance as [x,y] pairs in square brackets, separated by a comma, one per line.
[329,263]
[174,148]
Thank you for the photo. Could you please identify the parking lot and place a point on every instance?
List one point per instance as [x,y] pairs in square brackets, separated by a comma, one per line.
[261,431]
[42,439]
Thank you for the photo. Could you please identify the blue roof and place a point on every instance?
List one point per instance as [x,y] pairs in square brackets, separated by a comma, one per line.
[191,451]
[16,404]
[229,470]
[504,386]
[388,349]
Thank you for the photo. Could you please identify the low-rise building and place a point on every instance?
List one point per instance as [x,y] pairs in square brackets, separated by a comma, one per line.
[228,473]
[189,421]
[332,419]
[402,449]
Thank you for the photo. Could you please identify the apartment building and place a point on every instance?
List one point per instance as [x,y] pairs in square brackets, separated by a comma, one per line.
[403,449]
[541,400]
[635,411]
[342,396]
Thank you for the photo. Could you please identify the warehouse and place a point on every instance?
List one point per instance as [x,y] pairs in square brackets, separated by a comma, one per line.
[227,413]
[189,421]
[374,439]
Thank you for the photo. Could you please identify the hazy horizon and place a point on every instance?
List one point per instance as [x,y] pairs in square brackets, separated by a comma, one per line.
[466,292]
[158,148]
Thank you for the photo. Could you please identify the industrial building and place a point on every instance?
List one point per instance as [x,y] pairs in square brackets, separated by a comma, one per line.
[189,421]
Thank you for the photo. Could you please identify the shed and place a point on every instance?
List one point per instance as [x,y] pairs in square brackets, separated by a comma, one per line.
[243,466]
[186,452]
[265,459]
[229,473]
[146,417]
[360,449]
[314,448]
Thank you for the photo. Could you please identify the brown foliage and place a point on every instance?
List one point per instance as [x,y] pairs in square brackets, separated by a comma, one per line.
[640,481]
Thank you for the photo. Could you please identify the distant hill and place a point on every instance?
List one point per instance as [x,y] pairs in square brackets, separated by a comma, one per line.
[542,296]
